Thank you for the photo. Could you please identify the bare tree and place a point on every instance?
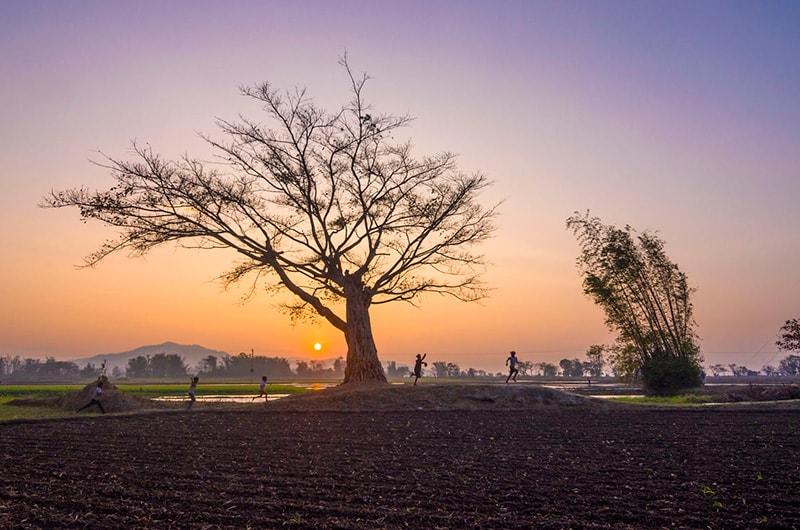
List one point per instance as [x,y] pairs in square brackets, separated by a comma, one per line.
[327,206]
[525,367]
[741,371]
[718,369]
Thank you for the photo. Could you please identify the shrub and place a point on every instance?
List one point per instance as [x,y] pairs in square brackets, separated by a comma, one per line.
[664,375]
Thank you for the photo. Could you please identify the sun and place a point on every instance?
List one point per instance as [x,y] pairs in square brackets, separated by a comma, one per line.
[317,346]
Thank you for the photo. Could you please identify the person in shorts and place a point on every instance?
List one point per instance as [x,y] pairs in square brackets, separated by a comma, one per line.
[192,392]
[511,362]
[262,389]
[98,393]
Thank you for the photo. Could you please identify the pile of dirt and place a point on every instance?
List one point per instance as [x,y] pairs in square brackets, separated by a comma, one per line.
[112,399]
[367,397]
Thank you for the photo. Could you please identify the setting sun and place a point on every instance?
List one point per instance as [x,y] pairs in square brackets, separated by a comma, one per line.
[583,121]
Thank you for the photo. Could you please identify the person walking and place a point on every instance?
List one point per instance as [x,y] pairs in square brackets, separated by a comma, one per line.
[511,362]
[98,392]
[418,367]
[192,392]
[262,389]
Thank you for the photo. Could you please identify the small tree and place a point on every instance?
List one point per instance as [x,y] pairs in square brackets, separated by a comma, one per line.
[646,299]
[547,369]
[303,369]
[525,367]
[439,369]
[596,362]
[167,365]
[453,370]
[208,365]
[339,364]
[566,367]
[571,367]
[51,368]
[790,336]
[324,205]
[741,371]
[138,366]
[789,365]
[770,370]
[90,370]
[395,370]
[717,369]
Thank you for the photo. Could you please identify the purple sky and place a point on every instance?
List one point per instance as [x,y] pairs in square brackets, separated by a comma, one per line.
[679,117]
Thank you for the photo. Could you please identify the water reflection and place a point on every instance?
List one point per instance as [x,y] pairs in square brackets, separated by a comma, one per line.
[242,398]
[225,398]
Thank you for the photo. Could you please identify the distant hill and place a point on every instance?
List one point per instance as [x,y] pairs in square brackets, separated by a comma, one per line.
[191,355]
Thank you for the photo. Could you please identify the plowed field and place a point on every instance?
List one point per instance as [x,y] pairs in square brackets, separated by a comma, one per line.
[630,468]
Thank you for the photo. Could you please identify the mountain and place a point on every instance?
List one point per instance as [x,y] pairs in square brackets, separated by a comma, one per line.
[191,355]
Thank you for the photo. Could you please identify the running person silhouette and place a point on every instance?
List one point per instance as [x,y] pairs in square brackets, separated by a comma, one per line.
[262,389]
[511,362]
[98,392]
[418,367]
[192,391]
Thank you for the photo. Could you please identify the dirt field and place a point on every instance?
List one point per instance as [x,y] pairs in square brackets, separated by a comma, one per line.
[490,458]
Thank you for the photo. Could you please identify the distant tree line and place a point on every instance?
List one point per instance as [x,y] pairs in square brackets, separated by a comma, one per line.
[318,370]
[159,366]
[592,367]
[595,365]
[789,365]
[239,366]
[244,365]
[169,366]
[15,367]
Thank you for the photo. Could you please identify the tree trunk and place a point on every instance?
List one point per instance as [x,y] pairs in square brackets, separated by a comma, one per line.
[362,354]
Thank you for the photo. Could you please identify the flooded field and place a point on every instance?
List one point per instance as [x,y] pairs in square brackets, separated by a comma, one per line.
[243,398]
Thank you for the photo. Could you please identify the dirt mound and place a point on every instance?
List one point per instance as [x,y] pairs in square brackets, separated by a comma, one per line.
[385,397]
[112,399]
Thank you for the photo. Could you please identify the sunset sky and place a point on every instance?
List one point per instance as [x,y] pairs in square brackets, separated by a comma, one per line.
[680,117]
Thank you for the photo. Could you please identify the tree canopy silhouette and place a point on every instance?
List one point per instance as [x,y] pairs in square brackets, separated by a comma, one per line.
[325,205]
[645,297]
[790,335]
